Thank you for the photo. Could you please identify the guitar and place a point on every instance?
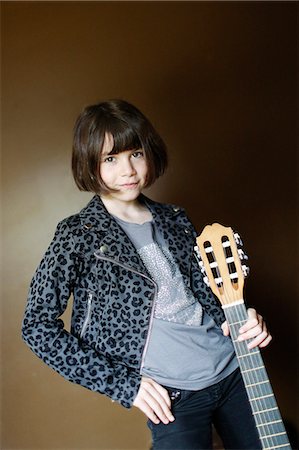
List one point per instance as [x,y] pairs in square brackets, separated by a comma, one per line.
[221,259]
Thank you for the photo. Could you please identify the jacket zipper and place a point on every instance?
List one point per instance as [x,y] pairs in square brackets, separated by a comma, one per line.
[88,313]
[105,258]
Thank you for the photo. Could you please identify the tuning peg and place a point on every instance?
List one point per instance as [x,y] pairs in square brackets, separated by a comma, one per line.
[245,270]
[200,263]
[196,249]
[202,267]
[206,280]
[242,254]
[199,260]
[238,239]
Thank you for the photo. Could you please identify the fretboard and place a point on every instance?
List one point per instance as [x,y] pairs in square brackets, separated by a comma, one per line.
[265,411]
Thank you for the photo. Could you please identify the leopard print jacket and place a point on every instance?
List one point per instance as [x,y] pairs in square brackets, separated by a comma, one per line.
[92,258]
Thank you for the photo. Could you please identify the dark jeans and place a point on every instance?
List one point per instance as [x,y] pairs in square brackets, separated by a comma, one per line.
[225,404]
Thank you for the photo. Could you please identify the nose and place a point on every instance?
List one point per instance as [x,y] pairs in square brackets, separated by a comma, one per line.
[127,167]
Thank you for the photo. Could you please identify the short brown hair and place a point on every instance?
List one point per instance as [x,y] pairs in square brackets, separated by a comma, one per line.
[130,130]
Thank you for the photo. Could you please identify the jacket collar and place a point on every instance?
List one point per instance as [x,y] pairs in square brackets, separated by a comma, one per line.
[96,216]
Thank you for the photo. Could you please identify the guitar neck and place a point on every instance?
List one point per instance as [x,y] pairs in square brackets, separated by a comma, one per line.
[265,411]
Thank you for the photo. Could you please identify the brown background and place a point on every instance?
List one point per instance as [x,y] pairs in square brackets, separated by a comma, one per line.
[218,81]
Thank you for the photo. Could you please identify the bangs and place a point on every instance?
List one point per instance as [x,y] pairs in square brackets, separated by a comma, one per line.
[124,138]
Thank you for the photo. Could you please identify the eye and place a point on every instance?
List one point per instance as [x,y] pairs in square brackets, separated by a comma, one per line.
[109,159]
[138,154]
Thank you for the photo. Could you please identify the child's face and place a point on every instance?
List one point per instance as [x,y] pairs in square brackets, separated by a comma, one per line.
[125,172]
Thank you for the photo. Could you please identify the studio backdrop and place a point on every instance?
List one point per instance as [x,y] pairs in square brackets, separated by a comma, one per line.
[218,82]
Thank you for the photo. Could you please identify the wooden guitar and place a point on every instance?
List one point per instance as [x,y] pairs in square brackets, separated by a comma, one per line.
[220,256]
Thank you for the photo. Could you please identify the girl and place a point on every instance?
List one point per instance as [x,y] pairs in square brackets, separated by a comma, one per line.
[145,329]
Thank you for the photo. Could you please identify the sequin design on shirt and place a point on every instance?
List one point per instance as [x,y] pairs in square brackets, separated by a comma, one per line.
[174,302]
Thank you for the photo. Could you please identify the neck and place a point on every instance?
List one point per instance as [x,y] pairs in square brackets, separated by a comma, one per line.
[132,210]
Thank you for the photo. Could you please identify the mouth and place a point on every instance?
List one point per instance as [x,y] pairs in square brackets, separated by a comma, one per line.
[129,185]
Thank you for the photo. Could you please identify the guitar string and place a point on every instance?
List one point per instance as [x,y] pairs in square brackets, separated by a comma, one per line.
[257,357]
[251,376]
[266,389]
[261,404]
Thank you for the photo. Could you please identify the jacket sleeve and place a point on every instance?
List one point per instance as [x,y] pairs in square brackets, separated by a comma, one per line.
[44,332]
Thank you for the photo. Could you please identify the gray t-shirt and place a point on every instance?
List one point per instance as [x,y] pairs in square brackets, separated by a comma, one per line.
[186,349]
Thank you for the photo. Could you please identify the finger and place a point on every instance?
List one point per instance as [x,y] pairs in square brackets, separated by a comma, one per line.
[152,402]
[252,333]
[145,407]
[266,341]
[159,409]
[225,328]
[164,394]
[258,340]
[261,341]
[159,401]
[254,319]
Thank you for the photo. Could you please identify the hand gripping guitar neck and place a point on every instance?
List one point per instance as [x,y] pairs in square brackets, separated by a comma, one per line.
[219,255]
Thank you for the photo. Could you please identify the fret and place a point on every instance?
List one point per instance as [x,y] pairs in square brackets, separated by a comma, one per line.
[267,416]
[246,365]
[265,405]
[278,438]
[238,322]
[257,390]
[263,400]
[255,384]
[269,423]
[248,354]
[254,369]
[266,430]
[259,398]
[265,410]
[271,435]
[254,357]
[287,445]
[255,378]
[253,374]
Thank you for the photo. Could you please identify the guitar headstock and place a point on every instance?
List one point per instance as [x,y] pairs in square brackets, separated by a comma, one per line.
[221,258]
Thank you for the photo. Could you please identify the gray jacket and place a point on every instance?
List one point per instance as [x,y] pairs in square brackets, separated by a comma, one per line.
[92,258]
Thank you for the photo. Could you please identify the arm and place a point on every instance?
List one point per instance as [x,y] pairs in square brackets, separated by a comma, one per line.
[44,332]
[255,327]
